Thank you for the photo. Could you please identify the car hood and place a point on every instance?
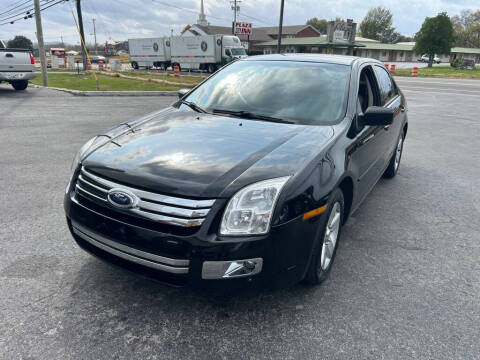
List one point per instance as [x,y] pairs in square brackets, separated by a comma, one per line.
[201,155]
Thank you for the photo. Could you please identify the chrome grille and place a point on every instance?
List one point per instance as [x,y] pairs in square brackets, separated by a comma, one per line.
[157,207]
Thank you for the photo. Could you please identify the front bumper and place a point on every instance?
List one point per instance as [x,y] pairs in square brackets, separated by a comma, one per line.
[279,258]
[17,75]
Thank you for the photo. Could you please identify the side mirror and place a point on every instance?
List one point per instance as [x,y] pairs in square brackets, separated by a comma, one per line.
[182,93]
[377,116]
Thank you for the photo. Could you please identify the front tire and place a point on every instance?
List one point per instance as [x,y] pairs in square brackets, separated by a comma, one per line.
[134,65]
[325,247]
[394,163]
[20,85]
[211,68]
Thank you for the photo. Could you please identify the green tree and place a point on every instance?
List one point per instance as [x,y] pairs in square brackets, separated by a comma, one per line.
[319,24]
[403,38]
[20,42]
[436,36]
[377,25]
[467,29]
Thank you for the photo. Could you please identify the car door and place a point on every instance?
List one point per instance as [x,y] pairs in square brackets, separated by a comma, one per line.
[389,97]
[366,153]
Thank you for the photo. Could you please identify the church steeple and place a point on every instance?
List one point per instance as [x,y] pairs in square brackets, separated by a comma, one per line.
[202,20]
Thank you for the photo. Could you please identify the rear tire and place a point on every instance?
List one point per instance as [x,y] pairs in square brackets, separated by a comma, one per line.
[326,244]
[20,85]
[134,65]
[394,163]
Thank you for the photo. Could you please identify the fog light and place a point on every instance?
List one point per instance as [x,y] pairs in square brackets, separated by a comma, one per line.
[231,269]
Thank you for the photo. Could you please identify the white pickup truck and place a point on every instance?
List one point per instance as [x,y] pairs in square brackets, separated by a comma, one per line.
[16,66]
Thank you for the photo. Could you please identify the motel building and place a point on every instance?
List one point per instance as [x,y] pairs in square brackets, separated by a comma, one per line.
[363,47]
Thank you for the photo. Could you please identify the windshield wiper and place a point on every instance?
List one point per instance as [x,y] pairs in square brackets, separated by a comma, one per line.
[194,106]
[250,115]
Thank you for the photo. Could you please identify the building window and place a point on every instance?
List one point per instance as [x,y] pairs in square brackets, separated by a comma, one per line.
[401,54]
[384,53]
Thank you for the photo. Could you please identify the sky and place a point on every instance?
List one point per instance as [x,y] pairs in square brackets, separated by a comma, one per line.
[123,19]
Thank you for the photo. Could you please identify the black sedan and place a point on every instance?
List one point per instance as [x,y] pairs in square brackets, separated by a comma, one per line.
[247,178]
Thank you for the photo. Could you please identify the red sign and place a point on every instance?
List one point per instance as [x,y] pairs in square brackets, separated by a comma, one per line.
[242,28]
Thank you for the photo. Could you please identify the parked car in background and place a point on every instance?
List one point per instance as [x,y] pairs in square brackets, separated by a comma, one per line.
[96,58]
[248,178]
[425,58]
[16,66]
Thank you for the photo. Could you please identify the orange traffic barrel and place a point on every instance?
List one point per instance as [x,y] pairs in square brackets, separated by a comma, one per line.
[415,71]
[392,69]
[100,65]
[176,70]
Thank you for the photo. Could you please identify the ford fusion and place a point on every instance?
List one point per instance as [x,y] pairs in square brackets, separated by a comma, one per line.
[246,179]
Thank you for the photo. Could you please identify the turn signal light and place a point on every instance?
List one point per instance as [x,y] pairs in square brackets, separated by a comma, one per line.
[315,212]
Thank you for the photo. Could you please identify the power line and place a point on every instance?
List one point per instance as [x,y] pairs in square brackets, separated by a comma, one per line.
[189,10]
[254,18]
[17,7]
[27,10]
[32,14]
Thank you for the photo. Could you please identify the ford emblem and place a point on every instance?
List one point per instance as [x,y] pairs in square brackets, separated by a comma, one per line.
[122,198]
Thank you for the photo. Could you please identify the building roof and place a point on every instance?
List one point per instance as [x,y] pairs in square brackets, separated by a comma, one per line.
[312,41]
[380,46]
[362,40]
[258,34]
[462,50]
[286,29]
[264,33]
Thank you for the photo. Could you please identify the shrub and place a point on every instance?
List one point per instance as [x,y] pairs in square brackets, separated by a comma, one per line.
[456,63]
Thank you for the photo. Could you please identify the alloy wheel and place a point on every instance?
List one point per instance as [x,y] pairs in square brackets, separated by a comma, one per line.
[331,237]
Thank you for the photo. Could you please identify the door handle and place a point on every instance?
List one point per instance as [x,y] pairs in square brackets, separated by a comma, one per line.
[8,55]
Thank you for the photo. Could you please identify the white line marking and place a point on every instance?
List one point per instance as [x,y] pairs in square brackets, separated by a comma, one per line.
[454,91]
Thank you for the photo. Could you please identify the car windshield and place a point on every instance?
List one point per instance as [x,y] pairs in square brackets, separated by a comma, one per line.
[307,93]
[238,51]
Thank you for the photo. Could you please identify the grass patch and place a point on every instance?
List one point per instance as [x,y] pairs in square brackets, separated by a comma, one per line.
[86,82]
[194,80]
[441,72]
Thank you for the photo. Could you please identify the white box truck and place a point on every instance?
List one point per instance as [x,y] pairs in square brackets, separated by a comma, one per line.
[208,52]
[149,52]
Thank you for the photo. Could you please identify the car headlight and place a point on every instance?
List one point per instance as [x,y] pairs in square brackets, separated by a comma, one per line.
[250,210]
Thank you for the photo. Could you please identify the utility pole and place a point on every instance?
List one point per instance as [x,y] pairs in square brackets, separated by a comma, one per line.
[82,35]
[63,44]
[41,48]
[95,35]
[235,9]
[279,44]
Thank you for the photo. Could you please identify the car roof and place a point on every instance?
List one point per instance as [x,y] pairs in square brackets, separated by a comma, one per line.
[324,58]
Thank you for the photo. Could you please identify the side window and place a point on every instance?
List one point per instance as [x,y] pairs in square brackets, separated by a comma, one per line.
[385,85]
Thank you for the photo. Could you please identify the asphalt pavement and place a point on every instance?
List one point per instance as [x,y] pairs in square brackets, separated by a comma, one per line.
[405,285]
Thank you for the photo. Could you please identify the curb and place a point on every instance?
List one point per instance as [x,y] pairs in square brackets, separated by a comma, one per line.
[110,93]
